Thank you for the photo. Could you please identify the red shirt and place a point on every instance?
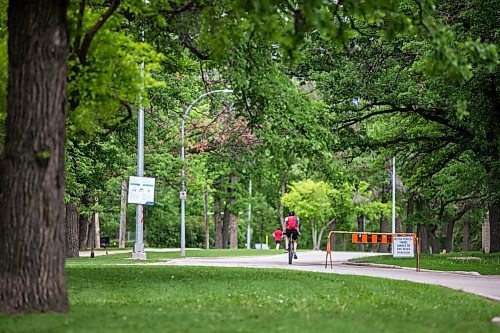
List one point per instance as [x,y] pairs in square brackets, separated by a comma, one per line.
[277,235]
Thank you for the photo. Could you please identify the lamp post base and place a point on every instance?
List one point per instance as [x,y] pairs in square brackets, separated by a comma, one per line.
[139,253]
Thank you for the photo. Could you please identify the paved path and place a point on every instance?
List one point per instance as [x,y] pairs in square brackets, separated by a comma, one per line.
[101,252]
[483,285]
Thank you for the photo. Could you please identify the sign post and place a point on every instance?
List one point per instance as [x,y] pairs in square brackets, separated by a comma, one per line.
[141,190]
[403,247]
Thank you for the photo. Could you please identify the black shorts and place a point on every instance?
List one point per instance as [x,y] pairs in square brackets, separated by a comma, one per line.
[278,242]
[292,232]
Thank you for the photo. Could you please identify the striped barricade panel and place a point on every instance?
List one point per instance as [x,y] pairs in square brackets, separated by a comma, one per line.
[371,238]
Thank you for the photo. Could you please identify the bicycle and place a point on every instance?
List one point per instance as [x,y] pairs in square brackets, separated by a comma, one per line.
[291,247]
[290,250]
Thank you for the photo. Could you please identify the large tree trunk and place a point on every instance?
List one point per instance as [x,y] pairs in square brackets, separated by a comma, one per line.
[409,213]
[205,215]
[448,241]
[91,233]
[71,220]
[450,225]
[494,214]
[361,228]
[97,227]
[384,224]
[399,224]
[329,226]
[233,217]
[83,226]
[423,236]
[32,237]
[225,226]
[332,227]
[217,215]
[465,235]
[123,215]
[313,235]
[434,242]
[493,166]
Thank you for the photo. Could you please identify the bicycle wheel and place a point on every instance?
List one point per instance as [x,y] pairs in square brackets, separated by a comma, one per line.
[290,253]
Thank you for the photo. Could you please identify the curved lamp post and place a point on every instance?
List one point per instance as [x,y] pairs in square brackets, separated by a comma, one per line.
[183,190]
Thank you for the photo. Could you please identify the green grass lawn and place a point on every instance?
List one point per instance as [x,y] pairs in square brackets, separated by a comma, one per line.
[151,299]
[125,258]
[487,264]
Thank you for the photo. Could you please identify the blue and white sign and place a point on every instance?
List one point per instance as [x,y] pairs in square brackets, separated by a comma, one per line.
[141,190]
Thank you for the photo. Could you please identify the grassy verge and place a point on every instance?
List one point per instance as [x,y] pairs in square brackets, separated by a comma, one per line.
[487,264]
[207,299]
[125,258]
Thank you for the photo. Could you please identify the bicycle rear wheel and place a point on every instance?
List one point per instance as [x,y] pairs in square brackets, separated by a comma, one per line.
[290,253]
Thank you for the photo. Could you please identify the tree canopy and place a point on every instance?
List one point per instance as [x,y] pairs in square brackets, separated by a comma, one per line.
[325,93]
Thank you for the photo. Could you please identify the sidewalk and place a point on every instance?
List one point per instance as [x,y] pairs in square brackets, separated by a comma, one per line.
[487,286]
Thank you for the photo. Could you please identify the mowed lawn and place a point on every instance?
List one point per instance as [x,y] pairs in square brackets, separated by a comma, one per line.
[115,298]
[485,264]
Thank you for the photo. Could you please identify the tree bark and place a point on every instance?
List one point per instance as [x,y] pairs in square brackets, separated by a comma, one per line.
[384,224]
[332,227]
[91,233]
[71,220]
[493,167]
[494,215]
[97,227]
[322,230]
[361,228]
[83,226]
[423,236]
[233,217]
[225,226]
[448,241]
[450,225]
[217,215]
[399,223]
[205,214]
[434,242]
[313,235]
[32,236]
[465,235]
[123,215]
[409,213]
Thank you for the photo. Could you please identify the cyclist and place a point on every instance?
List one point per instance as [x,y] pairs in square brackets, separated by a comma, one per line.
[292,231]
[277,237]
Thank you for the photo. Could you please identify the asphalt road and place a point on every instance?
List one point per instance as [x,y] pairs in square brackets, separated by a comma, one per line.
[483,285]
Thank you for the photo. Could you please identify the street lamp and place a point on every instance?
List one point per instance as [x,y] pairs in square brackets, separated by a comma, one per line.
[393,224]
[183,193]
[138,252]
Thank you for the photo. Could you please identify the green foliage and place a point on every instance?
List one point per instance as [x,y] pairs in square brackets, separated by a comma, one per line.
[308,78]
[111,76]
[310,200]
